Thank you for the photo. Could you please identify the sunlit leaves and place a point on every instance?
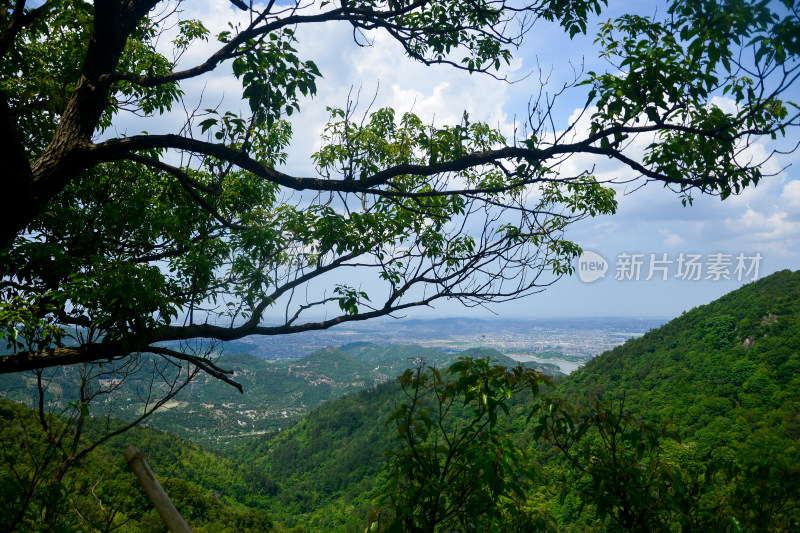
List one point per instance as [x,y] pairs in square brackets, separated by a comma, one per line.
[272,76]
[140,57]
[349,298]
[572,14]
[27,323]
[355,150]
[454,469]
[123,300]
[458,25]
[189,31]
[667,74]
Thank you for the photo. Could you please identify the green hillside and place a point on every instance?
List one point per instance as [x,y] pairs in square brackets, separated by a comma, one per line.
[394,354]
[327,463]
[213,493]
[723,375]
[276,393]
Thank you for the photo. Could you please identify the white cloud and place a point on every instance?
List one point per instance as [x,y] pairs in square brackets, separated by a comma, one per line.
[727,105]
[791,194]
[672,240]
[764,226]
[431,107]
[764,218]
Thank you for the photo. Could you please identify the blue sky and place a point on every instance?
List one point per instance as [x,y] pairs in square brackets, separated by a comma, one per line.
[763,220]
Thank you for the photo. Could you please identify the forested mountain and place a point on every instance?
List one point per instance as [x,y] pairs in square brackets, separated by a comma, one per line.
[724,373]
[276,393]
[692,427]
[709,438]
[723,376]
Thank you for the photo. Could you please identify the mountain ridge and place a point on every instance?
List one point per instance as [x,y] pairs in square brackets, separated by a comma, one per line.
[683,374]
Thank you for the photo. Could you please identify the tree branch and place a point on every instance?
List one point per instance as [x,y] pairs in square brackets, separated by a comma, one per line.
[202,363]
[19,19]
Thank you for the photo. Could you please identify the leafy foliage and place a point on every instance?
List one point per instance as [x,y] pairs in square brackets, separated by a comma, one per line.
[103,494]
[123,235]
[455,469]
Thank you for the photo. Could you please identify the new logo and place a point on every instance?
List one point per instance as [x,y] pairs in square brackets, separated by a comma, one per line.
[591,266]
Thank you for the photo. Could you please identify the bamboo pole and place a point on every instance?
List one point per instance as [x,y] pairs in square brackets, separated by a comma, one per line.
[158,496]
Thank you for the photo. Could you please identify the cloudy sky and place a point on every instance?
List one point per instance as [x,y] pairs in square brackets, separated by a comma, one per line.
[762,222]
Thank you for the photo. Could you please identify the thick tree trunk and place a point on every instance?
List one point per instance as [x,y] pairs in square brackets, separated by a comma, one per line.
[17,180]
[30,186]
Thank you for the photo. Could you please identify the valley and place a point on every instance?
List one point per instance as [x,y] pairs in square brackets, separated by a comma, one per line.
[710,416]
[277,392]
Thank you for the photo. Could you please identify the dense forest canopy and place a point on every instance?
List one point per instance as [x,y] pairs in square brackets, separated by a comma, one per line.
[119,244]
[707,440]
[692,427]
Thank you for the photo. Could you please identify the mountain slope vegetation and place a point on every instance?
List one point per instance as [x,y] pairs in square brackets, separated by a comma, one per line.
[213,493]
[276,393]
[723,373]
[702,413]
[722,378]
[711,403]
